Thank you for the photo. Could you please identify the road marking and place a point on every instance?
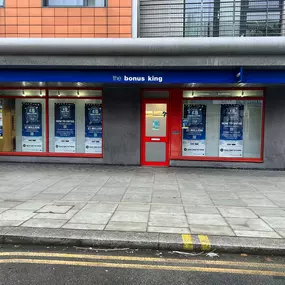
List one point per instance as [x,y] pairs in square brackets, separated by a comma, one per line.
[142,259]
[205,243]
[144,266]
[187,242]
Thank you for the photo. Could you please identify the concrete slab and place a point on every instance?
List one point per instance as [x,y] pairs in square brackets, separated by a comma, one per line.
[206,219]
[55,209]
[44,223]
[211,230]
[275,222]
[91,218]
[232,212]
[244,224]
[100,208]
[16,215]
[83,226]
[124,216]
[176,209]
[200,210]
[130,207]
[259,234]
[169,230]
[167,220]
[126,226]
[31,206]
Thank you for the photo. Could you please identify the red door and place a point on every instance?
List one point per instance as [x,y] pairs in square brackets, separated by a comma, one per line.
[155,146]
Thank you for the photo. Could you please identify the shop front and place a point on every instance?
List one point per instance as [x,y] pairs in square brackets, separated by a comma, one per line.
[131,125]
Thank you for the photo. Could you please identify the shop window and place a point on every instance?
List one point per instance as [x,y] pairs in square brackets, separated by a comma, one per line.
[222,127]
[22,121]
[73,118]
[75,125]
[76,3]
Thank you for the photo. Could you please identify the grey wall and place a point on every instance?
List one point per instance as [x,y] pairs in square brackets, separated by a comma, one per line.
[121,125]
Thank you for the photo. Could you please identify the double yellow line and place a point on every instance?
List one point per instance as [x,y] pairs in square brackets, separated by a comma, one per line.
[204,265]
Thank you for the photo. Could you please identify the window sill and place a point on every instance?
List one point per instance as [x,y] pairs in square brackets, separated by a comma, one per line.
[52,154]
[211,158]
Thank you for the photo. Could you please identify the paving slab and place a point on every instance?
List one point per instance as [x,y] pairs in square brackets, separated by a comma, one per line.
[232,212]
[259,234]
[44,223]
[125,216]
[126,226]
[169,230]
[55,209]
[206,219]
[244,224]
[212,230]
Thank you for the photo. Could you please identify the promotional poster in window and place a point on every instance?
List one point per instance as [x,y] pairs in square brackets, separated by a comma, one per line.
[194,130]
[231,130]
[1,119]
[65,139]
[31,127]
[93,128]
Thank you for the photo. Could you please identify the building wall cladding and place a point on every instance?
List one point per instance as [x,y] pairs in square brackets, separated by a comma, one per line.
[30,19]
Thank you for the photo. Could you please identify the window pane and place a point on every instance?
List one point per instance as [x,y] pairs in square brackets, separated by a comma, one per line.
[96,3]
[75,126]
[22,125]
[222,128]
[65,2]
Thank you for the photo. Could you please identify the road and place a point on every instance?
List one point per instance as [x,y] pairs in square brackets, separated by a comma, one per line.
[64,265]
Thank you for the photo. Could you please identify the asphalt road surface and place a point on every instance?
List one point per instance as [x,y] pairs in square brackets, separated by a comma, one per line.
[68,266]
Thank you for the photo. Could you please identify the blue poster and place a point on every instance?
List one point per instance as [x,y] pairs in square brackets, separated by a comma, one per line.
[1,119]
[194,130]
[65,140]
[231,130]
[93,128]
[32,127]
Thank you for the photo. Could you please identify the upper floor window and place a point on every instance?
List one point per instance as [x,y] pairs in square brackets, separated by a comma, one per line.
[75,3]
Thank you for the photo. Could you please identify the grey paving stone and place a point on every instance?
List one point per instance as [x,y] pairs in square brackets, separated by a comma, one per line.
[167,220]
[232,212]
[166,200]
[100,208]
[258,202]
[44,223]
[206,219]
[78,197]
[126,226]
[56,209]
[48,197]
[268,212]
[91,218]
[211,230]
[111,191]
[55,216]
[10,204]
[124,216]
[176,209]
[85,189]
[225,202]
[107,198]
[245,224]
[163,186]
[11,223]
[3,210]
[29,205]
[259,234]
[134,207]
[139,190]
[16,215]
[137,197]
[170,230]
[275,222]
[201,210]
[83,226]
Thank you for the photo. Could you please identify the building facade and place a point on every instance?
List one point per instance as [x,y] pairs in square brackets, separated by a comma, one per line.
[192,83]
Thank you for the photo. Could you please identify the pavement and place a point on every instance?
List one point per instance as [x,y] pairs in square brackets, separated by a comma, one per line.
[156,202]
[28,265]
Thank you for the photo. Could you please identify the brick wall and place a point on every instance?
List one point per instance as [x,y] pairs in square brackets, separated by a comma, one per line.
[28,19]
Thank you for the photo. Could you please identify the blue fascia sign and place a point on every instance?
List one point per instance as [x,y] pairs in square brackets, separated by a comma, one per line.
[119,76]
